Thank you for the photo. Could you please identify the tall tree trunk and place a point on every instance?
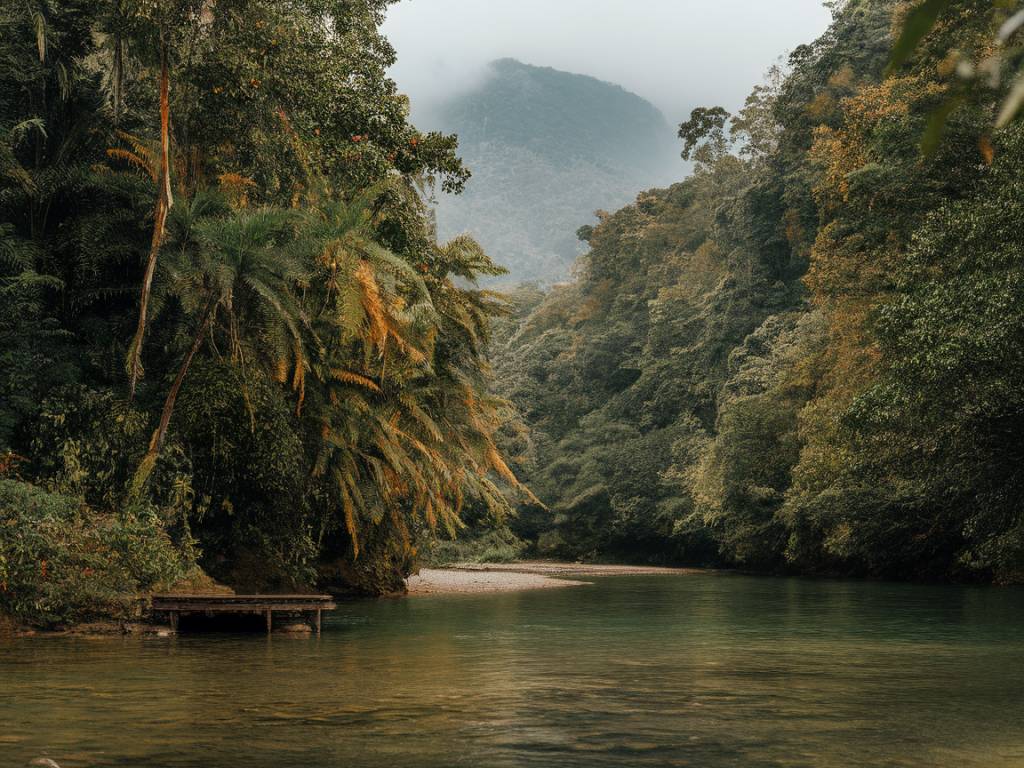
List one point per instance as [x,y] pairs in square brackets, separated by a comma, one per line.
[156,443]
[164,202]
[118,78]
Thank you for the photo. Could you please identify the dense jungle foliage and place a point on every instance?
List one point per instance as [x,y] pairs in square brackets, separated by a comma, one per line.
[230,343]
[233,349]
[807,356]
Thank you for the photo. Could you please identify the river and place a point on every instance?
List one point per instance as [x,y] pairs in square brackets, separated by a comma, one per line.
[701,670]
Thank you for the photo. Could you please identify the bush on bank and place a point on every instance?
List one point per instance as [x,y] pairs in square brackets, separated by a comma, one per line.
[63,562]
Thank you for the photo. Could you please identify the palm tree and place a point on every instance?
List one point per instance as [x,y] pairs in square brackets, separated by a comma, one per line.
[368,289]
[375,315]
[406,426]
[235,277]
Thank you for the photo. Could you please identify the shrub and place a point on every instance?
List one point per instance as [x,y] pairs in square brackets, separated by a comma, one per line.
[496,546]
[63,562]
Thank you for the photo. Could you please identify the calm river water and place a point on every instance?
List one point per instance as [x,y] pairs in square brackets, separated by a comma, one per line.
[706,671]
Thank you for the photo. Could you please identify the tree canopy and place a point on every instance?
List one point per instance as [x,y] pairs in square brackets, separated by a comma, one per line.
[227,323]
[802,358]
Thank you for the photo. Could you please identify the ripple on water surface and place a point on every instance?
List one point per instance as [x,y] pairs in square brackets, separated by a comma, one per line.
[695,670]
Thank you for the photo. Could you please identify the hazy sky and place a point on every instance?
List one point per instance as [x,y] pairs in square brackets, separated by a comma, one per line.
[677,53]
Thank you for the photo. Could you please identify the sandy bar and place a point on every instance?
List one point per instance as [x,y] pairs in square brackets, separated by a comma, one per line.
[513,577]
[457,581]
[550,568]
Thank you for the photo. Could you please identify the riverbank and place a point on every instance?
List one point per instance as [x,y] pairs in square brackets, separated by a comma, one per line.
[91,630]
[461,578]
[473,578]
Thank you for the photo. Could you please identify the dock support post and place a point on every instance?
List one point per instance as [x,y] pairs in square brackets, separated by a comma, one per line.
[270,621]
[318,621]
[174,621]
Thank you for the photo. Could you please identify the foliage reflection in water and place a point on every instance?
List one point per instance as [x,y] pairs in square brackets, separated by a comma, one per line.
[707,670]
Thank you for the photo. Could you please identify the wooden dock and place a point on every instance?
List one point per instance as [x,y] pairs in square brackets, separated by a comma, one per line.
[312,606]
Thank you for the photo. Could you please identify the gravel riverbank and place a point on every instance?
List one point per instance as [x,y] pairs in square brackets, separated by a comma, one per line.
[513,577]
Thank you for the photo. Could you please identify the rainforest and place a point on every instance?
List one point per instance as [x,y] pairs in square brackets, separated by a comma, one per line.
[235,351]
[337,428]
[232,347]
[805,357]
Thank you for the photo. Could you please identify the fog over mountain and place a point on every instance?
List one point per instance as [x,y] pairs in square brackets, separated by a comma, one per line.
[547,149]
[677,54]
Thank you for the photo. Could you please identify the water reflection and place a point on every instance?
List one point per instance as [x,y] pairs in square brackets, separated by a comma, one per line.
[710,670]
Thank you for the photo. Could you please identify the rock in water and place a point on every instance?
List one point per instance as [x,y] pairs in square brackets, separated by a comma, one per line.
[294,628]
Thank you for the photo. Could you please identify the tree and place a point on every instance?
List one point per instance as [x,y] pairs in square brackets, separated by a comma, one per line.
[234,276]
[144,27]
[703,135]
[408,427]
[980,73]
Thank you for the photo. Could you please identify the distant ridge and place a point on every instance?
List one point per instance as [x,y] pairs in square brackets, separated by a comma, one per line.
[547,148]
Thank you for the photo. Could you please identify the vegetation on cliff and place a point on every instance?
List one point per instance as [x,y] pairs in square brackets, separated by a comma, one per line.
[807,355]
[231,345]
[228,333]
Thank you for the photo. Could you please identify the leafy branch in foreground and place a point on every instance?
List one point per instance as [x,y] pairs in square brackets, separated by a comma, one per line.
[1001,68]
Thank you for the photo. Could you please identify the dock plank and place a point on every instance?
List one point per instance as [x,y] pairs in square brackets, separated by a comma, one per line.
[174,605]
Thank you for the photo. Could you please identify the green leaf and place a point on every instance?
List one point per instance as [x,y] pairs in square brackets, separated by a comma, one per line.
[918,24]
[937,125]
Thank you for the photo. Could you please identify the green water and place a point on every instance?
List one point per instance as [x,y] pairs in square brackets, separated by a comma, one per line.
[707,671]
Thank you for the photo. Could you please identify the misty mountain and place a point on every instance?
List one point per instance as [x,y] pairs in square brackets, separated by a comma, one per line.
[547,149]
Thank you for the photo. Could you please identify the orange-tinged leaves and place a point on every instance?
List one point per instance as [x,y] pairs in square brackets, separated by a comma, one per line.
[299,378]
[236,187]
[988,152]
[281,370]
[350,377]
[839,151]
[350,519]
[373,304]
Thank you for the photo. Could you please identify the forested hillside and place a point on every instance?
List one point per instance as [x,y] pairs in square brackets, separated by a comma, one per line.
[234,350]
[229,339]
[808,355]
[547,149]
